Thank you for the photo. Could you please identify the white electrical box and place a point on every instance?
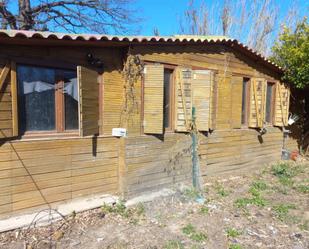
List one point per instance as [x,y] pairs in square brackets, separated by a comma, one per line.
[119,132]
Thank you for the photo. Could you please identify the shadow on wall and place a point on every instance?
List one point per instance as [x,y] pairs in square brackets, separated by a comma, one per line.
[299,105]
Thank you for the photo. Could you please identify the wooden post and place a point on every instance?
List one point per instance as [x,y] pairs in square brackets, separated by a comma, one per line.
[195,161]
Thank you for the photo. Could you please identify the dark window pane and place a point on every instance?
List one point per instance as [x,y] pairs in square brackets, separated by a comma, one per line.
[245,93]
[36,90]
[70,100]
[269,100]
[167,96]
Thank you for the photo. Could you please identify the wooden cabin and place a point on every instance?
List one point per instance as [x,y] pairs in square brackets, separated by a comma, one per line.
[61,96]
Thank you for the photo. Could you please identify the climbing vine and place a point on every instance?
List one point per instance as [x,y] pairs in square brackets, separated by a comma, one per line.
[132,72]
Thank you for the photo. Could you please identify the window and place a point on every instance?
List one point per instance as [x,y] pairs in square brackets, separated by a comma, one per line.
[245,101]
[168,93]
[270,102]
[48,99]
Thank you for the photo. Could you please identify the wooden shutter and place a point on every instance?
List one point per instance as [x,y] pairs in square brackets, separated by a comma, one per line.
[236,105]
[282,102]
[201,97]
[153,99]
[213,102]
[88,82]
[257,102]
[8,100]
[183,99]
[223,116]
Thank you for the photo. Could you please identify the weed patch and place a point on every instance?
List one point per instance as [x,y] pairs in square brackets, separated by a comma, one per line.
[121,209]
[221,191]
[257,201]
[303,188]
[259,185]
[204,210]
[282,210]
[190,231]
[191,193]
[304,226]
[235,246]
[173,244]
[284,171]
[232,232]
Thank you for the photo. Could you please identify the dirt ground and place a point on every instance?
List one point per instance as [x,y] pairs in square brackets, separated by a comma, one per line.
[266,209]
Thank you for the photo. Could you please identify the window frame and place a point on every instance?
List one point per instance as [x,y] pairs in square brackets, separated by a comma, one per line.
[170,127]
[59,99]
[273,102]
[247,102]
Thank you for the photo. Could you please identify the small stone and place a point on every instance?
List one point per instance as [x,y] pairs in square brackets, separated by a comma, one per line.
[297,235]
[259,244]
[58,235]
[75,243]
[273,230]
[100,239]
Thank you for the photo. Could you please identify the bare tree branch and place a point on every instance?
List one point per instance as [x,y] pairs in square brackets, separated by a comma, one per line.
[74,15]
[252,22]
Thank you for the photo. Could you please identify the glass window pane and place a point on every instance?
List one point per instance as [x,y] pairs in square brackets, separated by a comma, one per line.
[70,100]
[167,95]
[244,110]
[36,91]
[269,98]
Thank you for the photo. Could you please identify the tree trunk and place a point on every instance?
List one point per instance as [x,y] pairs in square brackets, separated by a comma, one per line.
[25,18]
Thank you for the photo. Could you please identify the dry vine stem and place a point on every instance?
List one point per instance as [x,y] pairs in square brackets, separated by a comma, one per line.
[132,72]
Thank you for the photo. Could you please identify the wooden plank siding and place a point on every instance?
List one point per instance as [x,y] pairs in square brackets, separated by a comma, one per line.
[153,163]
[63,169]
[239,150]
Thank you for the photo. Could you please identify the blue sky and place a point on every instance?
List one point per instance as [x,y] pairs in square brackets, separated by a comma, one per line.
[165,14]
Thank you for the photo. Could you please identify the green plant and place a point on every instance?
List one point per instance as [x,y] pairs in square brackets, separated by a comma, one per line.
[284,171]
[286,181]
[188,229]
[232,232]
[291,53]
[259,185]
[140,209]
[118,208]
[281,189]
[204,210]
[193,234]
[282,210]
[221,191]
[235,246]
[198,237]
[303,188]
[304,226]
[256,200]
[174,244]
[191,193]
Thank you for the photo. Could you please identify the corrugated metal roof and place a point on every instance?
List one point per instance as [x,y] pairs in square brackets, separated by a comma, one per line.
[139,39]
